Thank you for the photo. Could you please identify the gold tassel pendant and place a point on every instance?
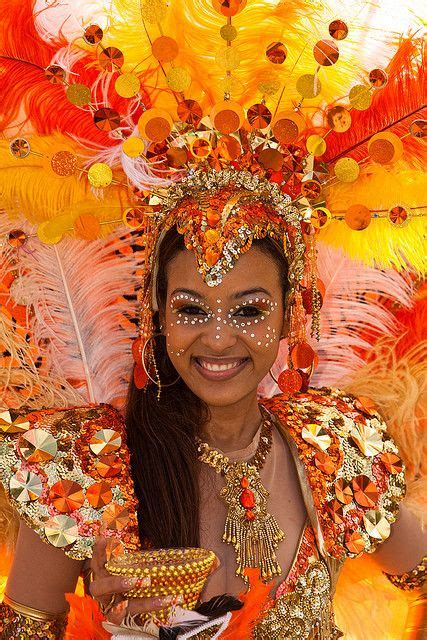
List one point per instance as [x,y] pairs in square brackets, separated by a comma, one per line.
[253,532]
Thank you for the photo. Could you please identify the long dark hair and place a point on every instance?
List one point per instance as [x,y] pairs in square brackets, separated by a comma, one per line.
[161,434]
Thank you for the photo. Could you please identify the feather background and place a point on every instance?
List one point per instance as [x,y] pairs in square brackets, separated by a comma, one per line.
[352,316]
[76,291]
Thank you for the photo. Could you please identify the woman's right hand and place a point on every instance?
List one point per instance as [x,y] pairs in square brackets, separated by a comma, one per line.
[109,590]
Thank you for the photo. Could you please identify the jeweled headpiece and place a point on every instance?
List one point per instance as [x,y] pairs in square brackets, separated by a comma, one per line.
[219,214]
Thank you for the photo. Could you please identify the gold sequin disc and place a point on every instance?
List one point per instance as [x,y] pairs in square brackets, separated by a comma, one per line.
[358,217]
[367,439]
[127,85]
[165,49]
[376,525]
[61,530]
[93,34]
[55,74]
[392,462]
[115,517]
[326,52]
[346,169]
[64,163]
[317,436]
[99,494]
[79,94]
[9,424]
[37,445]
[343,491]
[365,492]
[309,85]
[338,30]
[100,175]
[25,486]
[105,441]
[111,59]
[360,97]
[66,496]
[20,148]
[398,215]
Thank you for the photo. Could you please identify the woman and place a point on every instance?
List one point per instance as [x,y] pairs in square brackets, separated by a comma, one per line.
[309,478]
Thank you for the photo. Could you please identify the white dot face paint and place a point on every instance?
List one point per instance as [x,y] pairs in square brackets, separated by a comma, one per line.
[247,317]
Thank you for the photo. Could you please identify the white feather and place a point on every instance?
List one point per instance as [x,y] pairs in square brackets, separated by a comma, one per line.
[351,306]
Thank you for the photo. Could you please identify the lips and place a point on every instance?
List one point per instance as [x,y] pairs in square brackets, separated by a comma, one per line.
[219,368]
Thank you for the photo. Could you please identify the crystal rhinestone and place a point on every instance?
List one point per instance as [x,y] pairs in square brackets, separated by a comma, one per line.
[376,525]
[55,74]
[338,29]
[93,34]
[316,435]
[11,423]
[37,445]
[105,441]
[111,59]
[115,517]
[61,530]
[336,511]
[99,494]
[365,491]
[324,462]
[326,52]
[367,438]
[108,466]
[343,491]
[354,542]
[392,462]
[66,496]
[247,499]
[25,486]
[20,148]
[106,119]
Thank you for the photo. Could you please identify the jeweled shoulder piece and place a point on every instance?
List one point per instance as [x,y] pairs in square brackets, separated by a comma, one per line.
[352,466]
[67,474]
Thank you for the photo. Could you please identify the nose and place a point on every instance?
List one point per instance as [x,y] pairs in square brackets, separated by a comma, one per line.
[218,336]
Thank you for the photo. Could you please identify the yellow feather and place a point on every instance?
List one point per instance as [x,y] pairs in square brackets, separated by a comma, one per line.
[381,243]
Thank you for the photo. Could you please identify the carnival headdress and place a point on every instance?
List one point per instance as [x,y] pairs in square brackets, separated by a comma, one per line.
[214,119]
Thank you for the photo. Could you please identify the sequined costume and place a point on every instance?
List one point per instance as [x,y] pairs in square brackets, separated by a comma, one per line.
[66,474]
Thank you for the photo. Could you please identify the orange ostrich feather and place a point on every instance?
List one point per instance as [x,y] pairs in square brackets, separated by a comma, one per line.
[29,100]
[393,108]
[255,600]
[85,619]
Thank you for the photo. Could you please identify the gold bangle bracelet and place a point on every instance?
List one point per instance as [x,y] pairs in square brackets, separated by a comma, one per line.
[410,580]
[30,612]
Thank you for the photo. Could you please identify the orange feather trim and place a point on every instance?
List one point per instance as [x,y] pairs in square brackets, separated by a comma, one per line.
[85,619]
[393,108]
[255,600]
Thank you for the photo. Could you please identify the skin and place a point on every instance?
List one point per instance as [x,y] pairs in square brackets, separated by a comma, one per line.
[234,420]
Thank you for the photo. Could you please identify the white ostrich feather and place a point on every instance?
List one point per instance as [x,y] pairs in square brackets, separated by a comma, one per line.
[75,289]
[350,306]
[69,17]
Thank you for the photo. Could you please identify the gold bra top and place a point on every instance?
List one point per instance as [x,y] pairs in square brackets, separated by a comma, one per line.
[66,471]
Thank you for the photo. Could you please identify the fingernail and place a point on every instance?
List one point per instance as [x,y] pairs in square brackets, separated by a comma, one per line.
[143,582]
[129,583]
[164,602]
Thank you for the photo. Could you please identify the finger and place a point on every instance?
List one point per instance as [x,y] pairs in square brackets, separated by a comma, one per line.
[101,587]
[99,556]
[140,606]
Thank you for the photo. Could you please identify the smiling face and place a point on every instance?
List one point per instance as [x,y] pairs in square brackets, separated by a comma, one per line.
[222,340]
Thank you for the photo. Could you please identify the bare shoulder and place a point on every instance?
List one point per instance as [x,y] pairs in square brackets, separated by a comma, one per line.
[41,574]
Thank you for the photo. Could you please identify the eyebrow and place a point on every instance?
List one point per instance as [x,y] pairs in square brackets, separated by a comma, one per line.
[238,294]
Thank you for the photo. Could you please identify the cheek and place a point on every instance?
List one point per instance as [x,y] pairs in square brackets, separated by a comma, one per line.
[181,332]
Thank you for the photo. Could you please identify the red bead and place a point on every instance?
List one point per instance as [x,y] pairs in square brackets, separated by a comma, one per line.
[250,515]
[244,482]
[247,499]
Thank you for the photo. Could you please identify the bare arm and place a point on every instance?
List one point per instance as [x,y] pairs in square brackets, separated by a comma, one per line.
[40,574]
[405,547]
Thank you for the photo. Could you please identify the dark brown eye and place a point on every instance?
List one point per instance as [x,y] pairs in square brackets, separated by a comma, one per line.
[248,311]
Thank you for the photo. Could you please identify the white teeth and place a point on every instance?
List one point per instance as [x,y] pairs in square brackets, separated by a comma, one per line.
[219,367]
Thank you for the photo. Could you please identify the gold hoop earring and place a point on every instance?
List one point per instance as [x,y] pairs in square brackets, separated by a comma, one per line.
[154,364]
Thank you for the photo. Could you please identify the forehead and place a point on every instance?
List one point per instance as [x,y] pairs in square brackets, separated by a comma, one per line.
[254,268]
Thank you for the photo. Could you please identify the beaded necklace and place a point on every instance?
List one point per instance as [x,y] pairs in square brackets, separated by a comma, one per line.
[253,532]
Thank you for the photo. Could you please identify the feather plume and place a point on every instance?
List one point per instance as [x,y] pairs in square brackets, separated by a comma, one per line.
[76,290]
[381,244]
[351,307]
[393,108]
[85,619]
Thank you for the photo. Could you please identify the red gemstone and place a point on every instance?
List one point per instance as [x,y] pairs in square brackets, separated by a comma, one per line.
[244,482]
[250,515]
[247,499]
